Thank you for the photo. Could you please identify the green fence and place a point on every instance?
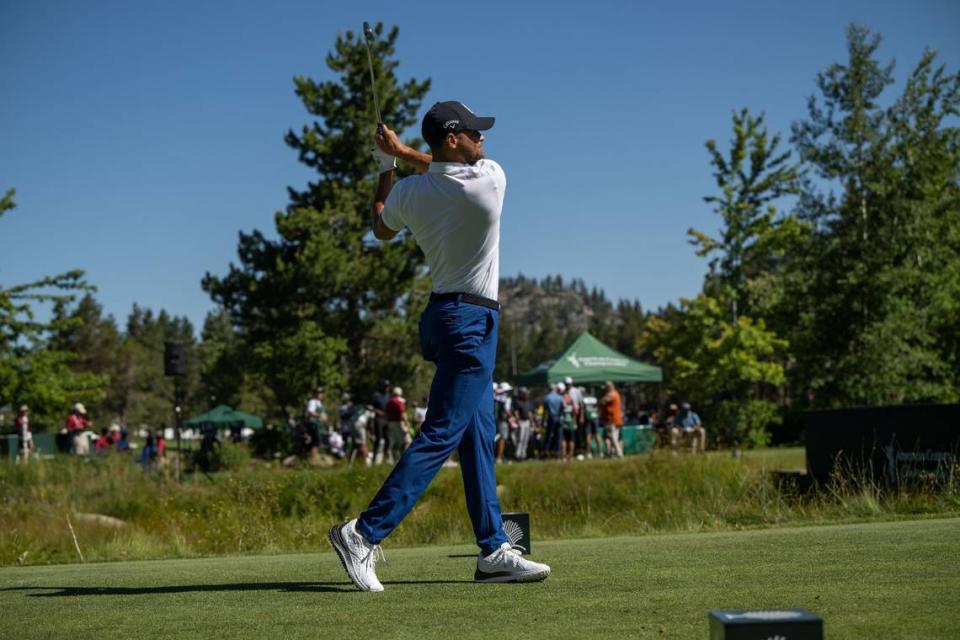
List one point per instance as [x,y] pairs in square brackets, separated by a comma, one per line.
[636,438]
[43,444]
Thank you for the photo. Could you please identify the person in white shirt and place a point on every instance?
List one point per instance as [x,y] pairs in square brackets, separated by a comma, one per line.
[453,212]
[24,435]
[316,421]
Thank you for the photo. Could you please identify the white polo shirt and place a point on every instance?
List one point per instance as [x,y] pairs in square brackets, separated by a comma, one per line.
[453,212]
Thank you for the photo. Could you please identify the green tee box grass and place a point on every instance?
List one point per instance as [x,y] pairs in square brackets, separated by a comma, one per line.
[877,580]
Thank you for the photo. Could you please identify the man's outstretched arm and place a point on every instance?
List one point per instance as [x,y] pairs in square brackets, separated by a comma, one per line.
[380,230]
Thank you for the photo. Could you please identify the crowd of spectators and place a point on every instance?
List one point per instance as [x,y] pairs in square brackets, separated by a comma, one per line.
[569,422]
[82,441]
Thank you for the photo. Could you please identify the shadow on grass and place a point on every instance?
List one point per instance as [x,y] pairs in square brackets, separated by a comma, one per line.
[284,587]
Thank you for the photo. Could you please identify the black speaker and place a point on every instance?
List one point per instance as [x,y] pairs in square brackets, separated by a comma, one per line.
[174,359]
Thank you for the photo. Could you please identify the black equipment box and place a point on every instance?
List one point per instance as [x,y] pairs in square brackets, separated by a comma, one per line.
[768,624]
[908,443]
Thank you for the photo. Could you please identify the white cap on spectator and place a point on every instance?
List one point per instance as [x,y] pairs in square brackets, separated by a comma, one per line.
[568,380]
[397,391]
[505,386]
[561,387]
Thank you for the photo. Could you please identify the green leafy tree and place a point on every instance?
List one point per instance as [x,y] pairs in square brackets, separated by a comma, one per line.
[32,370]
[720,366]
[882,255]
[321,302]
[752,243]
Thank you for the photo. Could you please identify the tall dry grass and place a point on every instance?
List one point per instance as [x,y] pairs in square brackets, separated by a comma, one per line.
[259,508]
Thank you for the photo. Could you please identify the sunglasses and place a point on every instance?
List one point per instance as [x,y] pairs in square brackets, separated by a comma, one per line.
[472,134]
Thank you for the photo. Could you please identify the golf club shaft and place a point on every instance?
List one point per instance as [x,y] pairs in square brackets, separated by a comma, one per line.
[367,33]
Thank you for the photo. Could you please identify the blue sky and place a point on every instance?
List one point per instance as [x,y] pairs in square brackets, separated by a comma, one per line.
[141,137]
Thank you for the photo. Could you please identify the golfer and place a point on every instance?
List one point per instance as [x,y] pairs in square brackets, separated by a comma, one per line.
[453,211]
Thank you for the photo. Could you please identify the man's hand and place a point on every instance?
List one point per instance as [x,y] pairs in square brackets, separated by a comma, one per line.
[389,143]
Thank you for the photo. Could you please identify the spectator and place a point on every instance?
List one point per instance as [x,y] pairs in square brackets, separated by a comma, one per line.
[523,411]
[316,420]
[611,416]
[538,438]
[397,429]
[419,414]
[103,444]
[347,413]
[357,438]
[503,410]
[161,447]
[553,414]
[669,423]
[335,443]
[123,444]
[569,424]
[77,423]
[576,400]
[24,435]
[590,422]
[148,456]
[688,427]
[378,403]
[656,423]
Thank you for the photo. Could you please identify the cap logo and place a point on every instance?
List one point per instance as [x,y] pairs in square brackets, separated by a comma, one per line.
[450,124]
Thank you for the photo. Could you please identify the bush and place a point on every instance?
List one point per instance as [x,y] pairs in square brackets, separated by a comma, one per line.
[744,424]
[270,443]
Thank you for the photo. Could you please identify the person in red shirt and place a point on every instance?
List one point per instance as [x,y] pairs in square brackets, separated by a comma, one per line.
[611,417]
[397,432]
[103,444]
[77,422]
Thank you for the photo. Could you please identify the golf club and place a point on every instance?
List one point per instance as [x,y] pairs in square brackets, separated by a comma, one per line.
[367,37]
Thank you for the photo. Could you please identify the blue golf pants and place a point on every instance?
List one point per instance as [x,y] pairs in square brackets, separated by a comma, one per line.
[461,338]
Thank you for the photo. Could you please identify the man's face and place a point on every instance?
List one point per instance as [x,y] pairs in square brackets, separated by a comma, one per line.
[469,145]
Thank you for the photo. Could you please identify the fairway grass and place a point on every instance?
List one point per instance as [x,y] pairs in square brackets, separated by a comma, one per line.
[878,580]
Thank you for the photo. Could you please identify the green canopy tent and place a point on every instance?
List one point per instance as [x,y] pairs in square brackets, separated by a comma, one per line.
[224,417]
[589,361]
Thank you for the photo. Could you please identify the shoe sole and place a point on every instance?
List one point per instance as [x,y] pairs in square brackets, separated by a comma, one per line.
[533,576]
[338,545]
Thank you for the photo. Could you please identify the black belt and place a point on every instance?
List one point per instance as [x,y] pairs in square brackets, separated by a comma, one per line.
[468,298]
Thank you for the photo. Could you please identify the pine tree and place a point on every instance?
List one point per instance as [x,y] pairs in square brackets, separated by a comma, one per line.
[324,303]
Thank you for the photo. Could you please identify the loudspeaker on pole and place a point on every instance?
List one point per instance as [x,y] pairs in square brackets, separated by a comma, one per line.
[174,359]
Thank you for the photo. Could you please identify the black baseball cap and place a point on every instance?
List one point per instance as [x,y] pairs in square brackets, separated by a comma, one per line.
[451,117]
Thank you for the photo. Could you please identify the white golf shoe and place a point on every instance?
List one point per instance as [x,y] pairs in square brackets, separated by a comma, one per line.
[358,556]
[507,565]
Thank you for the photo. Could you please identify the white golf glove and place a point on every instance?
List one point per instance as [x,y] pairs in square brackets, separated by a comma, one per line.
[385,161]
